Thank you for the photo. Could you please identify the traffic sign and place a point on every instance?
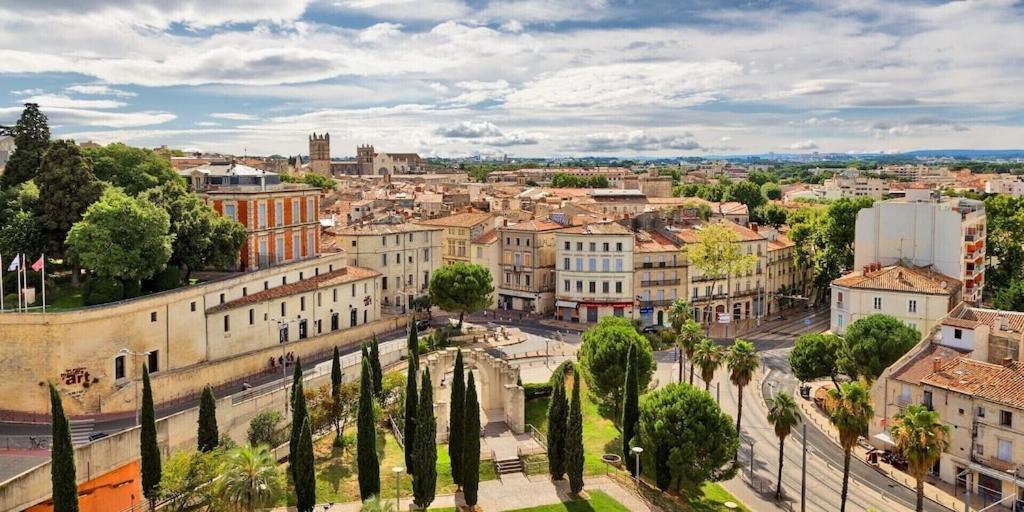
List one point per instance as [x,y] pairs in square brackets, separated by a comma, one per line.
[724,318]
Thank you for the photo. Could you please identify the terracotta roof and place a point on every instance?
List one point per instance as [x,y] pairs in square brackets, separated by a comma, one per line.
[970,317]
[340,276]
[461,220]
[987,381]
[487,237]
[733,208]
[1005,387]
[383,229]
[652,241]
[535,225]
[600,228]
[780,242]
[922,364]
[900,278]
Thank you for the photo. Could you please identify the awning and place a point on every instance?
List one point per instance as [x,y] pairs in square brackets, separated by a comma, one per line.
[608,304]
[565,304]
[885,438]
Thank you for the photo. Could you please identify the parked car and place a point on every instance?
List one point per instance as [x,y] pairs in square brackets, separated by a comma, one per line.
[651,329]
[422,325]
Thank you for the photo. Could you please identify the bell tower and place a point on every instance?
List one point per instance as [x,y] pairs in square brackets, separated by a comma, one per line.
[320,153]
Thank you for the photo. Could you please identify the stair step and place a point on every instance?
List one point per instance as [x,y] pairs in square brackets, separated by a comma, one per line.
[509,466]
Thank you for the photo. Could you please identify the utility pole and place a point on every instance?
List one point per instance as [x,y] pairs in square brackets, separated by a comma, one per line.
[803,473]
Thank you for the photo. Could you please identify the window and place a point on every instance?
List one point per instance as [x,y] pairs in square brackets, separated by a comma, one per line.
[310,242]
[927,400]
[527,279]
[593,246]
[579,246]
[384,259]
[310,211]
[284,309]
[252,316]
[878,303]
[279,250]
[618,246]
[905,394]
[229,211]
[981,412]
[296,212]
[119,367]
[1006,418]
[152,316]
[606,246]
[604,287]
[567,245]
[302,303]
[593,287]
[579,286]
[912,306]
[192,306]
[279,213]
[222,298]
[568,285]
[227,322]
[618,286]
[840,320]
[579,264]
[1005,450]
[618,265]
[839,297]
[426,254]
[245,291]
[565,264]
[958,334]
[262,215]
[592,265]
[605,265]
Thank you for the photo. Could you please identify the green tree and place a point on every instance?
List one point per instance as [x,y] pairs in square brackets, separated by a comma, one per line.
[378,372]
[744,192]
[207,434]
[697,440]
[689,336]
[296,379]
[678,314]
[783,415]
[456,420]
[263,429]
[377,504]
[21,233]
[771,214]
[630,406]
[133,169]
[849,410]
[920,438]
[462,287]
[411,396]
[149,450]
[185,480]
[603,355]
[815,356]
[121,237]
[1004,241]
[300,418]
[717,254]
[336,403]
[31,140]
[471,451]
[1011,298]
[366,437]
[759,178]
[824,238]
[574,439]
[874,343]
[742,362]
[708,357]
[303,471]
[558,414]
[424,482]
[63,479]
[250,480]
[771,191]
[66,189]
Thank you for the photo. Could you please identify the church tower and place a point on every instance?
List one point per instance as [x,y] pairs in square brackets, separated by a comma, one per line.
[364,159]
[320,153]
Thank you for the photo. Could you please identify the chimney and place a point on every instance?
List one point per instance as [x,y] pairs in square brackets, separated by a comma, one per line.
[936,364]
[1007,361]
[867,268]
[753,227]
[504,223]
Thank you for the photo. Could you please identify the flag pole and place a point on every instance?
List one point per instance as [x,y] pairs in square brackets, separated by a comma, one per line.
[24,283]
[1,283]
[17,278]
[44,281]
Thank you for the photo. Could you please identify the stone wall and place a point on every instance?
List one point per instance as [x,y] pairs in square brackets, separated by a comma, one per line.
[496,381]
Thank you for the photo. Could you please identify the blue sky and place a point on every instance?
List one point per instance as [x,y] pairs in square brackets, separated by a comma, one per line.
[523,77]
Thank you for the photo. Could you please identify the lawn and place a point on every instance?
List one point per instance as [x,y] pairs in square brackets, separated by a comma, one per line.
[597,501]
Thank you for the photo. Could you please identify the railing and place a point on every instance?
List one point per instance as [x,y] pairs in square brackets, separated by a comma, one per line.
[537,435]
[661,302]
[659,282]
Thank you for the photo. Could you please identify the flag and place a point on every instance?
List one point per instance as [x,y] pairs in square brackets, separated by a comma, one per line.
[37,266]
[15,263]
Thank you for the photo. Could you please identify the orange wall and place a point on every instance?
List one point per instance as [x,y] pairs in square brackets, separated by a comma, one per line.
[112,491]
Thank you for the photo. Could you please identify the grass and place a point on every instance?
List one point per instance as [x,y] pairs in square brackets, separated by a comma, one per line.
[599,434]
[597,501]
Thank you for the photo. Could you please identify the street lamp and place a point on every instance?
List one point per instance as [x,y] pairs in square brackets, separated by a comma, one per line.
[751,462]
[636,452]
[397,470]
[125,352]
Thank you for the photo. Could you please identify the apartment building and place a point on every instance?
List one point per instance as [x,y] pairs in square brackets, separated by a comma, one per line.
[485,251]
[406,256]
[840,187]
[745,294]
[917,296]
[594,272]
[526,281]
[925,229]
[459,230]
[786,279]
[660,274]
[1012,186]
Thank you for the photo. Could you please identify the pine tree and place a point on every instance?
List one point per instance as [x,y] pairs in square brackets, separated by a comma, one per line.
[574,439]
[471,449]
[378,372]
[558,411]
[62,459]
[424,482]
[296,378]
[299,416]
[366,437]
[150,450]
[305,476]
[207,435]
[456,423]
[31,138]
[336,392]
[630,407]
[411,396]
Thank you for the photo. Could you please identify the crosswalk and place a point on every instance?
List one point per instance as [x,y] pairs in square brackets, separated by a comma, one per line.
[81,430]
[790,328]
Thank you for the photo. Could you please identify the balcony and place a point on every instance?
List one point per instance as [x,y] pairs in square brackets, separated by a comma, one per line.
[653,303]
[698,279]
[995,463]
[660,282]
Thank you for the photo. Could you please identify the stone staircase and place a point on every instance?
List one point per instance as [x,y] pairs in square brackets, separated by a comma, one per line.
[509,466]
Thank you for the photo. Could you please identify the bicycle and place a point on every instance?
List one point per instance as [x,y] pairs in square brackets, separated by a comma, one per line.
[39,442]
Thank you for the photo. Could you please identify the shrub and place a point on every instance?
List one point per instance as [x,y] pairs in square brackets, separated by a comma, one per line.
[101,290]
[132,288]
[263,429]
[537,390]
[167,279]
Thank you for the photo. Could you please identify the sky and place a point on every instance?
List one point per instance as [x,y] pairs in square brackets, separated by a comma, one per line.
[530,78]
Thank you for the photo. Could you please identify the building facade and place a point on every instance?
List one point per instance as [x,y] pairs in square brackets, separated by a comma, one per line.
[485,251]
[916,296]
[459,230]
[741,295]
[659,276]
[527,277]
[594,276]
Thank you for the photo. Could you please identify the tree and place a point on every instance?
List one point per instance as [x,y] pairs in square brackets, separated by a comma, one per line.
[744,192]
[603,356]
[185,480]
[378,372]
[742,361]
[815,356]
[630,406]
[263,429]
[296,378]
[783,414]
[366,437]
[920,438]
[697,440]
[771,191]
[132,169]
[424,482]
[63,479]
[824,237]
[411,396]
[150,450]
[303,471]
[462,287]
[689,336]
[558,414]
[249,479]
[718,254]
[300,418]
[66,189]
[849,410]
[456,420]
[759,178]
[377,504]
[471,451]
[874,343]
[708,357]
[771,214]
[336,404]
[1011,298]
[574,439]
[31,139]
[207,434]
[121,237]
[1004,241]
[678,314]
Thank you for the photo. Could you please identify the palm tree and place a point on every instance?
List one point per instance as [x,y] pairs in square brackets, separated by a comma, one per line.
[783,414]
[690,335]
[377,504]
[742,361]
[849,410]
[708,356]
[920,438]
[250,479]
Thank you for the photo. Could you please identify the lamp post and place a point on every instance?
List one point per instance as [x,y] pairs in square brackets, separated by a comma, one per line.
[636,452]
[397,470]
[135,382]
[803,471]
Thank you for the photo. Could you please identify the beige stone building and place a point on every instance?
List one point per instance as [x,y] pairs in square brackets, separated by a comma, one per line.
[527,278]
[594,272]
[485,251]
[459,230]
[406,255]
[660,274]
[740,294]
[917,296]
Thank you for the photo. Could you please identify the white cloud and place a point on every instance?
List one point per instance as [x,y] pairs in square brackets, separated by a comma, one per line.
[99,90]
[234,116]
[802,145]
[62,101]
[469,130]
[634,141]
[27,92]
[83,117]
[207,123]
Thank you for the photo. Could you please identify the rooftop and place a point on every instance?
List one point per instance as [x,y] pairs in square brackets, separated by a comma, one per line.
[968,317]
[535,225]
[342,276]
[901,278]
[382,229]
[459,220]
[923,363]
[602,228]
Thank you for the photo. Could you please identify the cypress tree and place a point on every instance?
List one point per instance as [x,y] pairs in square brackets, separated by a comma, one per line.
[630,407]
[31,138]
[574,439]
[411,396]
[207,435]
[305,476]
[62,459]
[336,394]
[150,450]
[557,415]
[471,449]
[424,482]
[456,423]
[296,378]
[366,437]
[299,416]
[378,372]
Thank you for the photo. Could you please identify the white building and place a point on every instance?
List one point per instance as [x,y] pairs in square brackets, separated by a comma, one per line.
[839,187]
[925,229]
[6,149]
[594,272]
[918,297]
[1013,186]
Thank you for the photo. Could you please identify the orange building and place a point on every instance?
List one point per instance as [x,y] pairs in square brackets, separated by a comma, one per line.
[116,490]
